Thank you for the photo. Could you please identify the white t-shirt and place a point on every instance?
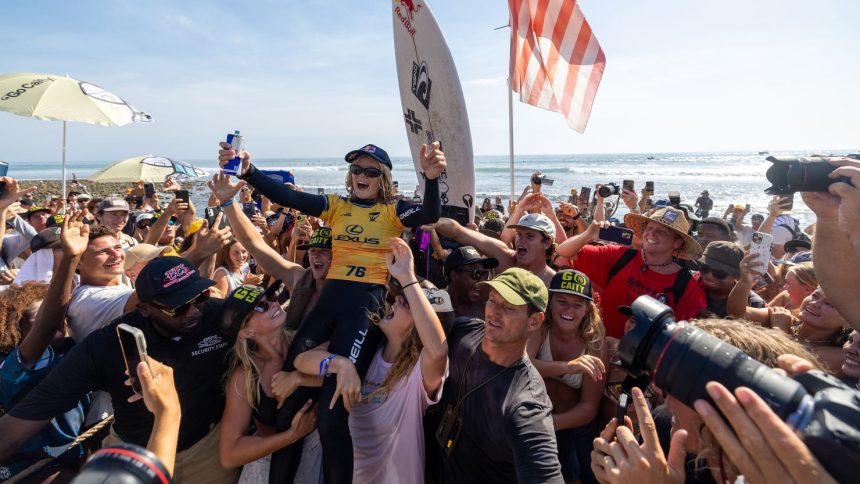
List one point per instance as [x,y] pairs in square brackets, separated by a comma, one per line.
[388,433]
[745,235]
[93,307]
[781,235]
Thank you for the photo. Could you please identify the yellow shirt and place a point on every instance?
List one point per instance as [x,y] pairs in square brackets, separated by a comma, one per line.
[360,239]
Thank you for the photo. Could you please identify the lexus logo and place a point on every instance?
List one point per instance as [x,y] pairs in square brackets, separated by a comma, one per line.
[354,229]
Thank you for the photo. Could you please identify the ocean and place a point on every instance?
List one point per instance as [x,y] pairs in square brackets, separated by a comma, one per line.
[730,177]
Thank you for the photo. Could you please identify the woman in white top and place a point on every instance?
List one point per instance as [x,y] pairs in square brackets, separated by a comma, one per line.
[404,378]
[572,344]
[233,269]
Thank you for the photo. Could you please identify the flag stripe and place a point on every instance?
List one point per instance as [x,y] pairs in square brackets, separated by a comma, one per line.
[556,61]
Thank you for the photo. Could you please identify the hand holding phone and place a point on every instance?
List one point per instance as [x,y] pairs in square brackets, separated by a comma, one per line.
[616,235]
[761,246]
[132,344]
[249,208]
[182,195]
[148,190]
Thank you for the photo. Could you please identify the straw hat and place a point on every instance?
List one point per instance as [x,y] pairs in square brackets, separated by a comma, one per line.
[675,220]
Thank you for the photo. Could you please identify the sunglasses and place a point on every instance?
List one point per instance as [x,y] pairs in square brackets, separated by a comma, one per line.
[718,273]
[144,225]
[368,172]
[262,306]
[477,274]
[180,310]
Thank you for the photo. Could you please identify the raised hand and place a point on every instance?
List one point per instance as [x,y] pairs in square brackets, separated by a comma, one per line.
[433,161]
[223,188]
[587,365]
[399,261]
[11,194]
[171,185]
[227,153]
[76,234]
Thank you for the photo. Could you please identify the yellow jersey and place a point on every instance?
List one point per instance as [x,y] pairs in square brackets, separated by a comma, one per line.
[360,238]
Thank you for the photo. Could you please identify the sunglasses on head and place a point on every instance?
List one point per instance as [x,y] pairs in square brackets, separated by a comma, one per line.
[718,273]
[368,172]
[180,310]
[477,274]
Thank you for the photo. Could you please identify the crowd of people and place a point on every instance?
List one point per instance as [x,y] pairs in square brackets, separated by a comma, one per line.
[285,336]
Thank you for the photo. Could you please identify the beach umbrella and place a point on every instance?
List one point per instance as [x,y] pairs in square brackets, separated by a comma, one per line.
[148,168]
[62,98]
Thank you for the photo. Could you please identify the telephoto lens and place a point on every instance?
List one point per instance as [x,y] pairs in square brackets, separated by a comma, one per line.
[123,464]
[788,175]
[608,190]
[681,359]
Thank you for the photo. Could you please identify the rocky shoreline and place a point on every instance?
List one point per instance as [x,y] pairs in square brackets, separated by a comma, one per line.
[46,188]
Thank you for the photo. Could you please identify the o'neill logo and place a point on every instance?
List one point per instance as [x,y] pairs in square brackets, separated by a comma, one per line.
[410,7]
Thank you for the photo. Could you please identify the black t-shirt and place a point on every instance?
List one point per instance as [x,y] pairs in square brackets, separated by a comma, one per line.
[718,306]
[198,360]
[507,433]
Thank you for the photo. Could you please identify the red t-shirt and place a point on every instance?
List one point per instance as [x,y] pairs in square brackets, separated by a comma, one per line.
[630,282]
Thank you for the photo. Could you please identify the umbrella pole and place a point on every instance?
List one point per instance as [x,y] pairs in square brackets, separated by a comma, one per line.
[63,194]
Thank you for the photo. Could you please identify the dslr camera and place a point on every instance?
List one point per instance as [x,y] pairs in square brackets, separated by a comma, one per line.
[608,190]
[681,359]
[789,175]
[542,180]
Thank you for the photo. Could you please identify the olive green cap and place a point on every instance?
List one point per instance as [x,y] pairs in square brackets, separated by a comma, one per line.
[518,286]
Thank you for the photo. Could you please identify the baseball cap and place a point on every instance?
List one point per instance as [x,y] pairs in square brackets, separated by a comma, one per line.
[722,224]
[141,253]
[723,255]
[492,227]
[170,281]
[796,245]
[194,227]
[36,209]
[519,286]
[84,197]
[372,151]
[143,216]
[112,204]
[570,281]
[465,255]
[758,216]
[55,220]
[320,239]
[27,202]
[46,239]
[239,304]
[536,221]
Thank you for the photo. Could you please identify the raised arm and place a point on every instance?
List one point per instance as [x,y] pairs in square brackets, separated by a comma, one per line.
[488,246]
[246,233]
[433,163]
[572,246]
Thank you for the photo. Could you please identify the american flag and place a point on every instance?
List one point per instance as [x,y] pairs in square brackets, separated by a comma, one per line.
[556,62]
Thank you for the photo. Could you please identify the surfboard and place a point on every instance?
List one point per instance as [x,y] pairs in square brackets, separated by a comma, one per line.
[433,105]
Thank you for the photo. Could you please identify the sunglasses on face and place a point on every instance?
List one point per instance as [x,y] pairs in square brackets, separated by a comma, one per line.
[144,225]
[262,306]
[181,310]
[477,274]
[368,172]
[718,273]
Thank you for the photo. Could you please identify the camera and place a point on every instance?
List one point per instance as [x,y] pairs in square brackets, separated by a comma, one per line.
[542,180]
[125,463]
[608,190]
[681,359]
[788,175]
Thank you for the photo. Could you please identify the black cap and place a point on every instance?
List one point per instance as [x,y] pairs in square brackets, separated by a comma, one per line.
[56,220]
[170,281]
[48,238]
[240,303]
[372,151]
[570,281]
[796,245]
[724,226]
[320,239]
[465,255]
[36,209]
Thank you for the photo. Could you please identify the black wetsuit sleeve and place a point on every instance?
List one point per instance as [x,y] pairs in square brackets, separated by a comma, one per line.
[281,194]
[414,215]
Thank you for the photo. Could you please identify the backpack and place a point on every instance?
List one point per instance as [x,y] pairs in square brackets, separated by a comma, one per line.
[678,288]
[796,233]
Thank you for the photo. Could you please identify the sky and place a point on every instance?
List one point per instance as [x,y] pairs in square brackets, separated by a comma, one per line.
[312,78]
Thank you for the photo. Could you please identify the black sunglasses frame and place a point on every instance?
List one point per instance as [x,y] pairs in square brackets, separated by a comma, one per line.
[476,273]
[368,172]
[718,274]
[182,309]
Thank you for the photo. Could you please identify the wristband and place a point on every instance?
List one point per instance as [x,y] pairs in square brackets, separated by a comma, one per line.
[227,203]
[411,283]
[578,216]
[324,365]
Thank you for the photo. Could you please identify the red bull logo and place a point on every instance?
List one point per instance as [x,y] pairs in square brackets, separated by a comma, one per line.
[406,13]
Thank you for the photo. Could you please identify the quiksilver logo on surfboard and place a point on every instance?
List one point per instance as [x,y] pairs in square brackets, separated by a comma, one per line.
[421,83]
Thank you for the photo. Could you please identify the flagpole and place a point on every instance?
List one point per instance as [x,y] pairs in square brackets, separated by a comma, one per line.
[63,189]
[511,134]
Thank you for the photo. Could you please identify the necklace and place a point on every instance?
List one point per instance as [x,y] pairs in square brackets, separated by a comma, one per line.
[646,265]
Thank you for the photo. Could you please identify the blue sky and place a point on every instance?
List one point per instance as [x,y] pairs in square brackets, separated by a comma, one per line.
[308,78]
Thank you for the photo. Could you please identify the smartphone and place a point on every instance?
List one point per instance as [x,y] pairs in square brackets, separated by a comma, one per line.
[747,207]
[674,198]
[761,245]
[395,184]
[148,190]
[249,208]
[649,186]
[586,193]
[763,281]
[628,185]
[132,343]
[321,191]
[616,235]
[212,213]
[786,202]
[182,195]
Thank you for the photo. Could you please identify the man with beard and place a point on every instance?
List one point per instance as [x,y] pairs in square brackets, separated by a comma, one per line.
[534,244]
[465,268]
[182,328]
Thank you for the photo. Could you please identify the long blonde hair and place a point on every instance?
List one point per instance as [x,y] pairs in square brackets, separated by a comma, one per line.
[406,358]
[386,183]
[245,355]
[591,329]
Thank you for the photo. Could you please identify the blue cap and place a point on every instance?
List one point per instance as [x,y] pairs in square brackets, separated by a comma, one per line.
[372,151]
